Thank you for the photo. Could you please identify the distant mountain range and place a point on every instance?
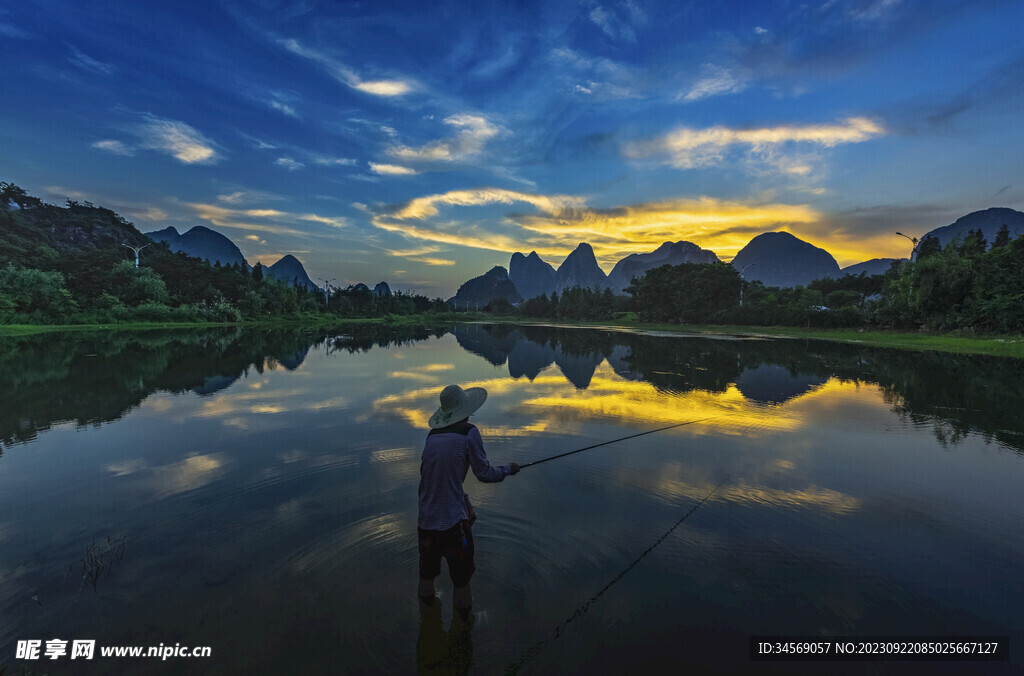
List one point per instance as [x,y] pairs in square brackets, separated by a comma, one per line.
[483,289]
[201,242]
[773,258]
[988,221]
[290,271]
[780,259]
[211,246]
[669,253]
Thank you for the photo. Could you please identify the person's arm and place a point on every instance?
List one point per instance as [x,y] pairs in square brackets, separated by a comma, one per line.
[482,468]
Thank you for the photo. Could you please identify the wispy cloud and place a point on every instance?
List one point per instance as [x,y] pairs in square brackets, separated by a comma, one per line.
[177,139]
[283,102]
[432,261]
[9,30]
[687,148]
[391,169]
[716,81]
[247,196]
[473,131]
[87,63]
[273,221]
[289,163]
[619,23]
[348,76]
[425,207]
[114,146]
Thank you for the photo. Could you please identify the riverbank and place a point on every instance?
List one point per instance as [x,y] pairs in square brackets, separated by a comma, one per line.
[9,330]
[1001,346]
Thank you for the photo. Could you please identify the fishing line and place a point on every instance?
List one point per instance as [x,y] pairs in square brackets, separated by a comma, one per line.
[613,441]
[532,652]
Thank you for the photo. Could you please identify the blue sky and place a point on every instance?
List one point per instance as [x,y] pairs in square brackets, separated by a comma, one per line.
[423,143]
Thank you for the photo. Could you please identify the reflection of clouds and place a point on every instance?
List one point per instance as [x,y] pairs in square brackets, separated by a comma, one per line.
[267,408]
[250,402]
[812,497]
[392,454]
[157,404]
[193,472]
[126,467]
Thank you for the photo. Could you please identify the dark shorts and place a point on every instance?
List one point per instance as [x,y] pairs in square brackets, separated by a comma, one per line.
[455,545]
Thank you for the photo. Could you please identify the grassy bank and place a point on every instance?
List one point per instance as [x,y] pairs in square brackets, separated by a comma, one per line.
[1002,346]
[330,322]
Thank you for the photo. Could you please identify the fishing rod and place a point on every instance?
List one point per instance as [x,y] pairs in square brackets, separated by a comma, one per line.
[613,441]
[529,654]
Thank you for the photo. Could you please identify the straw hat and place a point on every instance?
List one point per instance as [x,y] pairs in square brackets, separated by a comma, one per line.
[456,404]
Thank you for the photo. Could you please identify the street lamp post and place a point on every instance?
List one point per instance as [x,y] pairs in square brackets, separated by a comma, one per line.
[327,289]
[136,250]
[913,240]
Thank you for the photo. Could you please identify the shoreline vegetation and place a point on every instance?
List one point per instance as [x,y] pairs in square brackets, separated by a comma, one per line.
[992,345]
[68,269]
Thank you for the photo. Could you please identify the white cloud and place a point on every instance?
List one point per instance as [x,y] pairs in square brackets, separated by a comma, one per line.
[283,106]
[289,163]
[326,161]
[716,81]
[760,30]
[619,25]
[177,139]
[425,207]
[687,148]
[391,169]
[346,75]
[473,132]
[114,146]
[89,64]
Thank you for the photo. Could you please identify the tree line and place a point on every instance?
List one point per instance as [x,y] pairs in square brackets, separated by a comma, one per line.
[966,285]
[67,265]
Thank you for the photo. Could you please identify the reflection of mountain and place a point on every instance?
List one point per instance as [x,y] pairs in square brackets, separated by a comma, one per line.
[528,358]
[773,384]
[94,378]
[493,346]
[958,394]
[619,361]
[91,378]
[578,369]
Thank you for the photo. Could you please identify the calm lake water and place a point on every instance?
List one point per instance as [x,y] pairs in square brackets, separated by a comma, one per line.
[258,489]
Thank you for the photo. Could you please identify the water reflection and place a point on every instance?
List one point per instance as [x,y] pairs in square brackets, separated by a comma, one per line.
[90,379]
[267,478]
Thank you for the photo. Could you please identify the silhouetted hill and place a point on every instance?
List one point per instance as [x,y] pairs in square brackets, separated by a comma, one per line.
[290,271]
[669,253]
[382,289]
[989,221]
[875,266]
[580,268]
[780,259]
[531,275]
[487,287]
[201,242]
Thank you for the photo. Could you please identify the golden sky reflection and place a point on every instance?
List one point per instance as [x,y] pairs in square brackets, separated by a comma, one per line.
[550,402]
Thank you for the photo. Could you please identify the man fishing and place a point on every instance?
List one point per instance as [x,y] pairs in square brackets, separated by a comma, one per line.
[446,515]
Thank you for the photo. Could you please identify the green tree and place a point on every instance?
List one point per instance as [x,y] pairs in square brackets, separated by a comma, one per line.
[34,295]
[134,286]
